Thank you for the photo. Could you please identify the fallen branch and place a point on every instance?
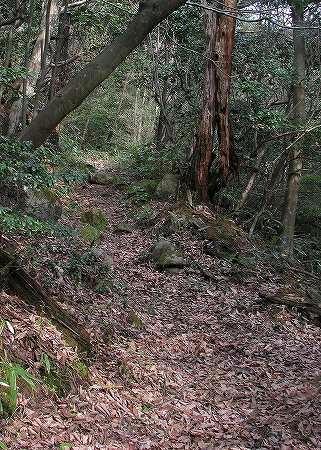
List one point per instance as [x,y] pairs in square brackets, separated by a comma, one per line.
[305,305]
[19,281]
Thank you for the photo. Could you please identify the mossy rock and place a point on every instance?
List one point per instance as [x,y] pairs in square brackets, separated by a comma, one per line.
[43,205]
[165,256]
[168,186]
[101,177]
[96,218]
[124,227]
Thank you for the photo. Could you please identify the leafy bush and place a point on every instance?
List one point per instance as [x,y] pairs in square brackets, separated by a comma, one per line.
[13,221]
[22,165]
[86,267]
[142,192]
[10,373]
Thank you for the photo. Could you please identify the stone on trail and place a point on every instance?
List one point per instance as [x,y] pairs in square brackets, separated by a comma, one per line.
[167,257]
[102,255]
[124,228]
[101,177]
[168,186]
[43,205]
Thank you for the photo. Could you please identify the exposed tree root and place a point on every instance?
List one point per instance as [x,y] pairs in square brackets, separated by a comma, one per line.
[312,305]
[20,282]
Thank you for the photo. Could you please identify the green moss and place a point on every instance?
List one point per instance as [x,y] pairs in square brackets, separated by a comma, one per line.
[96,218]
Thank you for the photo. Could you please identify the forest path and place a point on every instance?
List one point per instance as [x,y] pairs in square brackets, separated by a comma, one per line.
[210,368]
[180,362]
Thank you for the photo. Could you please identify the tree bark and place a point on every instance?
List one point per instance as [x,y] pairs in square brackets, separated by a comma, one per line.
[228,162]
[150,14]
[220,32]
[295,159]
[202,147]
[59,72]
[34,70]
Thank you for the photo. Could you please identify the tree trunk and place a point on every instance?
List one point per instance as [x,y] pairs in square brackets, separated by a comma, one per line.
[295,160]
[220,31]
[164,129]
[34,70]
[228,162]
[59,70]
[150,14]
[202,147]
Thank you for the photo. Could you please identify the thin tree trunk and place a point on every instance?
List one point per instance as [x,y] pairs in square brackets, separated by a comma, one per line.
[59,72]
[295,159]
[44,53]
[202,148]
[141,118]
[8,55]
[250,183]
[34,70]
[151,13]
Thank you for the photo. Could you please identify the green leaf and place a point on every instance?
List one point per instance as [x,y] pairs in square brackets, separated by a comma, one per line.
[26,376]
[46,363]
[65,446]
[13,389]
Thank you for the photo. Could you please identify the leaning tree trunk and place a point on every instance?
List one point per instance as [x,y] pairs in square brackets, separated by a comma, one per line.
[228,162]
[202,148]
[295,160]
[150,14]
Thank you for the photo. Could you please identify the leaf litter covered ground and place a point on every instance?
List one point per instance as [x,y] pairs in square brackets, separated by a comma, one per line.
[179,361]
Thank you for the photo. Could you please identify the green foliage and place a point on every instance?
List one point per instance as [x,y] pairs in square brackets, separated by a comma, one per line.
[309,211]
[142,192]
[10,373]
[11,221]
[9,75]
[56,379]
[142,160]
[21,164]
[65,446]
[86,267]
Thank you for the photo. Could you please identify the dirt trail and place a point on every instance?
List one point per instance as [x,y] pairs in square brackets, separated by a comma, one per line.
[207,367]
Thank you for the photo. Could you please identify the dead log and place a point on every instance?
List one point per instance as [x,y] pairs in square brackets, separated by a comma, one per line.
[311,305]
[20,282]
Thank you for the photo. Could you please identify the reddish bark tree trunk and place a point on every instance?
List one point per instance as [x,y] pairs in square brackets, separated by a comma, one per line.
[220,32]
[228,162]
[202,147]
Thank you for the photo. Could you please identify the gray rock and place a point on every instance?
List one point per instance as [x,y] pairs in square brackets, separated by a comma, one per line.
[124,228]
[168,186]
[162,247]
[102,255]
[101,177]
[165,255]
[43,205]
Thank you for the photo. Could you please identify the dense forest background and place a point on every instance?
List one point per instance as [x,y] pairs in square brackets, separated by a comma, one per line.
[153,107]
